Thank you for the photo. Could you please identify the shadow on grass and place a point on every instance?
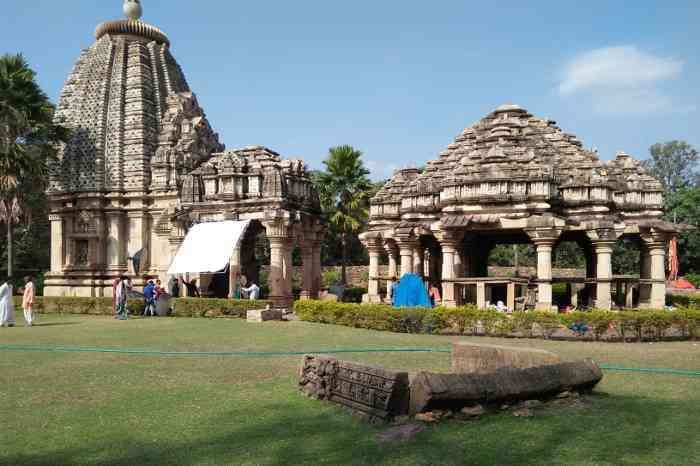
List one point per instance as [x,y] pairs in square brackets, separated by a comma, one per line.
[611,430]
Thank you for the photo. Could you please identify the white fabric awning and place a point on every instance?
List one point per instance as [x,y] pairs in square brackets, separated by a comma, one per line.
[208,247]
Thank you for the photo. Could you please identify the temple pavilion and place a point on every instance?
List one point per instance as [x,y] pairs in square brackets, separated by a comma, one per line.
[513,178]
[143,166]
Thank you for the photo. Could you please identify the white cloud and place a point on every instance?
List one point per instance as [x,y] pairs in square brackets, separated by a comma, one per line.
[616,67]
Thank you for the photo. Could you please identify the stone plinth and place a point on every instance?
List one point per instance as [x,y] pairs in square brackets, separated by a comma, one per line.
[475,358]
[370,391]
[263,315]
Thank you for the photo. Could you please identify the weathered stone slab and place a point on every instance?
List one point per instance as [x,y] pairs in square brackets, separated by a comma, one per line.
[477,358]
[263,315]
[442,391]
[372,391]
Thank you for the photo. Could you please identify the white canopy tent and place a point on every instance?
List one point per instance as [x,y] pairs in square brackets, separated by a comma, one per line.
[208,247]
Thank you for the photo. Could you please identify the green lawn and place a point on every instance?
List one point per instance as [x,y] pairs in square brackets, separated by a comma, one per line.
[120,409]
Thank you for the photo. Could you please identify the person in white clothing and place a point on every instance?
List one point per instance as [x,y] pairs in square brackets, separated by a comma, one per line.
[28,301]
[7,307]
[253,291]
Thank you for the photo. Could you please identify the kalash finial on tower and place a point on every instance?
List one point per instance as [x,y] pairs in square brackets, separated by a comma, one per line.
[133,10]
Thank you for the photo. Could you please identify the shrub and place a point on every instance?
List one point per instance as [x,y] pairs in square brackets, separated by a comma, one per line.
[691,300]
[639,325]
[693,278]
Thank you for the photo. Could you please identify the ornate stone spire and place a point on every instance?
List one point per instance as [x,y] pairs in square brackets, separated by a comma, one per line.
[132,9]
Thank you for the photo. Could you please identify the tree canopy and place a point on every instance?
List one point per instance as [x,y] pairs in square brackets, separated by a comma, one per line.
[345,190]
[674,164]
[27,139]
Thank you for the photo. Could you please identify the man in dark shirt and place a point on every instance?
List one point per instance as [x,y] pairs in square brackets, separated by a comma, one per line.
[149,297]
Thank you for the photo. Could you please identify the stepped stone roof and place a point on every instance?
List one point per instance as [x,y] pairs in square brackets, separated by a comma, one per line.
[512,157]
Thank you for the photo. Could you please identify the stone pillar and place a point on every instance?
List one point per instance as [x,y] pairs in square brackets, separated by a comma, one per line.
[406,250]
[116,252]
[645,274]
[308,280]
[68,242]
[234,272]
[481,295]
[57,243]
[136,241]
[419,260]
[280,280]
[372,295]
[510,296]
[657,253]
[544,273]
[393,271]
[629,295]
[603,251]
[449,250]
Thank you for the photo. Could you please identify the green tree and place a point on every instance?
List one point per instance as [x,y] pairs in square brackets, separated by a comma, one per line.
[27,140]
[683,206]
[674,164]
[345,191]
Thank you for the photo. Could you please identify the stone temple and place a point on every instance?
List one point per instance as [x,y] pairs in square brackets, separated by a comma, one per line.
[143,164]
[513,178]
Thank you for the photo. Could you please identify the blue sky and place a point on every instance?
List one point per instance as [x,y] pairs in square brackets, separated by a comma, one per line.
[400,79]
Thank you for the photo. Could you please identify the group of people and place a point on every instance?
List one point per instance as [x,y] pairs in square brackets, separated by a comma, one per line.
[7,306]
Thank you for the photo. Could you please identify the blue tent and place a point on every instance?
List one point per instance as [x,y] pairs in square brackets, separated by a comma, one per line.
[411,292]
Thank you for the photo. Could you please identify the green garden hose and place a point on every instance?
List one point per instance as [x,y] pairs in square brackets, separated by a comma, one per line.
[68,349]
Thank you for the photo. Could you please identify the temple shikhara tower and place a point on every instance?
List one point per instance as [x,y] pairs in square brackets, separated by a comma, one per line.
[513,178]
[143,165]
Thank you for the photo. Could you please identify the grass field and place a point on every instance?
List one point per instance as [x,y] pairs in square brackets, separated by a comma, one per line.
[122,409]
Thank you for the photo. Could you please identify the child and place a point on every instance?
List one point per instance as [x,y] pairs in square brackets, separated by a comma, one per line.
[28,301]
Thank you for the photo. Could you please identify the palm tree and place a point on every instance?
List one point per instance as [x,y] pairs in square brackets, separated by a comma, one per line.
[27,139]
[345,191]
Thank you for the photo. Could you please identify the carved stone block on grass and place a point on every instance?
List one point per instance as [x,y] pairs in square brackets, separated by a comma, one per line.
[373,392]
[263,315]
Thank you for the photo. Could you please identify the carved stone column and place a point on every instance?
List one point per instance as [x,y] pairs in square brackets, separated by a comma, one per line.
[234,271]
[406,248]
[419,260]
[655,263]
[280,280]
[116,252]
[136,240]
[375,249]
[449,250]
[544,240]
[57,243]
[308,279]
[393,271]
[603,251]
[544,273]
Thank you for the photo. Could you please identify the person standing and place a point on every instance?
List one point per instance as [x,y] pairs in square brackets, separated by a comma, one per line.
[122,298]
[149,298]
[192,289]
[7,307]
[28,301]
[253,291]
[434,293]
